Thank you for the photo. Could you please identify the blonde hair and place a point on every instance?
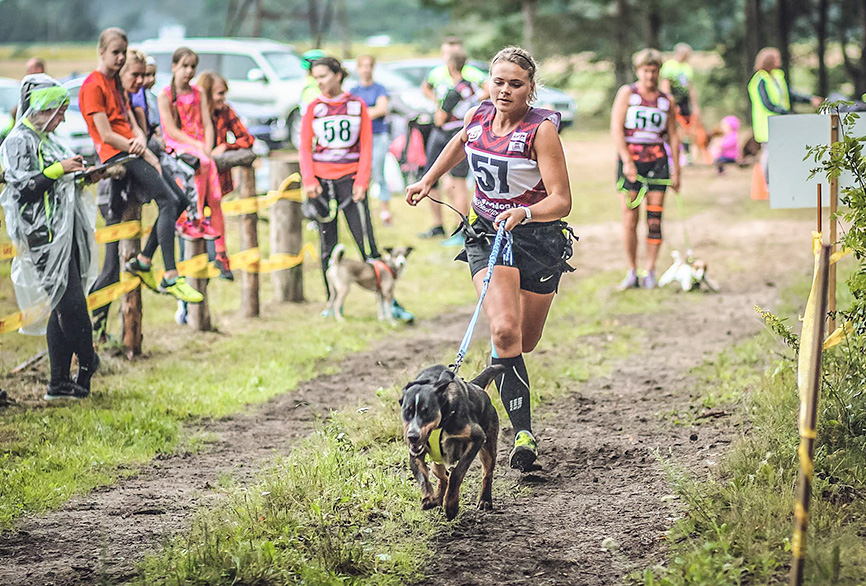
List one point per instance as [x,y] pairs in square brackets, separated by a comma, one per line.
[520,57]
[647,57]
[135,56]
[766,57]
[366,57]
[207,80]
[109,35]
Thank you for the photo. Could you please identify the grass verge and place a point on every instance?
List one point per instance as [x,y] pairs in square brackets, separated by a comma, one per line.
[343,508]
[738,522]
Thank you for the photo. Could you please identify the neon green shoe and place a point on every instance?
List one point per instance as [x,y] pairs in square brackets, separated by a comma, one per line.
[143,272]
[181,290]
[525,452]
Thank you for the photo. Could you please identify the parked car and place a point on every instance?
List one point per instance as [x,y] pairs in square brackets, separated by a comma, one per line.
[260,72]
[416,71]
[73,131]
[8,99]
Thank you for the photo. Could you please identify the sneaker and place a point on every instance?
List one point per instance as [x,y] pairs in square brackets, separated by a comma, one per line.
[433,232]
[188,231]
[208,231]
[221,262]
[397,312]
[143,272]
[630,282]
[387,220]
[181,290]
[456,240]
[65,390]
[180,316]
[650,282]
[524,453]
[327,312]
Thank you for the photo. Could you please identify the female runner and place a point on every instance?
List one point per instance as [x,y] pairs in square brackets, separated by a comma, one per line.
[521,180]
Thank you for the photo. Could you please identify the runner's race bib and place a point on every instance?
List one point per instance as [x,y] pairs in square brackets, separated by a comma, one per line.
[337,132]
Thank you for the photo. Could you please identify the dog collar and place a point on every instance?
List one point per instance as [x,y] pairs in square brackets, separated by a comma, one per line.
[434,445]
[377,267]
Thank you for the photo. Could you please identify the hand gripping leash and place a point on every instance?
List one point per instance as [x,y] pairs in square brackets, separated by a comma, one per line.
[507,256]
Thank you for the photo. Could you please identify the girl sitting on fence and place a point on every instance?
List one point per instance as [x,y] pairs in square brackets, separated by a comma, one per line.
[184,112]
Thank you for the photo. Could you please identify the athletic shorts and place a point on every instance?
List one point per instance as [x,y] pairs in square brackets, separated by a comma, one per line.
[436,144]
[650,170]
[540,252]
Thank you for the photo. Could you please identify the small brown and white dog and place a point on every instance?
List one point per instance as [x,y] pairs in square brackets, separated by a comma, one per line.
[379,276]
[689,272]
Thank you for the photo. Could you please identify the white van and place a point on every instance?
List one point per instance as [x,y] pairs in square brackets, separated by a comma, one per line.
[258,71]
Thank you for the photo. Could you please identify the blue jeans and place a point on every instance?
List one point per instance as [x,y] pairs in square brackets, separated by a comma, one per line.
[381,142]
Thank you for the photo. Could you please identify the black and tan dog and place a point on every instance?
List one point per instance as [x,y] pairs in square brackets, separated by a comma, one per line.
[451,421]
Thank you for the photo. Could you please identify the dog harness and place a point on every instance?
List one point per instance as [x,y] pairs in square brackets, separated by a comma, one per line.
[434,446]
[377,266]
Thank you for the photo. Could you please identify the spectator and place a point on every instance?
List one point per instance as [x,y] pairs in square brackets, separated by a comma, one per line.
[51,221]
[376,97]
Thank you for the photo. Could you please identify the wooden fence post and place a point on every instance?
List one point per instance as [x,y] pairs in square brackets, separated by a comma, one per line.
[130,303]
[198,314]
[287,235]
[249,239]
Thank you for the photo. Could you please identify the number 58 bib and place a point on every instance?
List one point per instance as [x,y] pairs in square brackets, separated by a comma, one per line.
[337,132]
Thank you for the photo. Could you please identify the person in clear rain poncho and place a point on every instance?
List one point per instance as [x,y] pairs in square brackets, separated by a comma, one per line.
[51,222]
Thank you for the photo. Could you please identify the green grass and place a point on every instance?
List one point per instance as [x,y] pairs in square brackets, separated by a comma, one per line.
[343,508]
[739,520]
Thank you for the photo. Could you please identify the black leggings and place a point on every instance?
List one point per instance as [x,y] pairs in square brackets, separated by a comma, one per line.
[110,272]
[69,326]
[357,217]
[145,179]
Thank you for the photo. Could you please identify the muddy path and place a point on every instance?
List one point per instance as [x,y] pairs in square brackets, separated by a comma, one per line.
[600,446]
[98,538]
[601,478]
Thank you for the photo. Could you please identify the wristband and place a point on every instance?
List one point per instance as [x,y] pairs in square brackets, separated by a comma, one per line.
[528,213]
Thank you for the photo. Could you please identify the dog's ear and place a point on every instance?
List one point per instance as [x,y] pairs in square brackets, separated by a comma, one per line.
[487,375]
[389,249]
[409,249]
[445,379]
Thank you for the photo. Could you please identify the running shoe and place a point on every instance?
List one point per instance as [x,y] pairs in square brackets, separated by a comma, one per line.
[180,316]
[398,312]
[65,390]
[221,262]
[524,453]
[208,231]
[188,231]
[650,282]
[456,240]
[327,312]
[178,288]
[630,282]
[143,272]
[433,232]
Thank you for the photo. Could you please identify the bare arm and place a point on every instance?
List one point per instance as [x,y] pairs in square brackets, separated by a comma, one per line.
[617,132]
[140,118]
[674,142]
[109,137]
[207,122]
[167,117]
[554,174]
[380,108]
[693,98]
[665,86]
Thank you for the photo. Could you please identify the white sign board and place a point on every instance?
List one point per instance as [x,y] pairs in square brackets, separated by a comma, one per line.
[790,137]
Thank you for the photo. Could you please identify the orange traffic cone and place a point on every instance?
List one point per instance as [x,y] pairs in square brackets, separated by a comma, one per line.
[759,185]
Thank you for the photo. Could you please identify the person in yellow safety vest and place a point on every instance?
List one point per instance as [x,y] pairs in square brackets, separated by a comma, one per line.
[770,96]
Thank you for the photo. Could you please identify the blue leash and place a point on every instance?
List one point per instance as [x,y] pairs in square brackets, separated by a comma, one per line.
[508,257]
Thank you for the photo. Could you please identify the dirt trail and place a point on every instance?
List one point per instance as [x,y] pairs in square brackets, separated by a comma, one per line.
[101,536]
[600,477]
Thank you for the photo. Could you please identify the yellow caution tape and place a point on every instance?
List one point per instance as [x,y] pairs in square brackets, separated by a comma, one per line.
[800,513]
[251,205]
[115,232]
[797,544]
[282,261]
[7,251]
[10,323]
[112,292]
[840,254]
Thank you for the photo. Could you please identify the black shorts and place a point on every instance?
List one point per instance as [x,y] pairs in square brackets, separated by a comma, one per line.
[436,144]
[540,250]
[651,171]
